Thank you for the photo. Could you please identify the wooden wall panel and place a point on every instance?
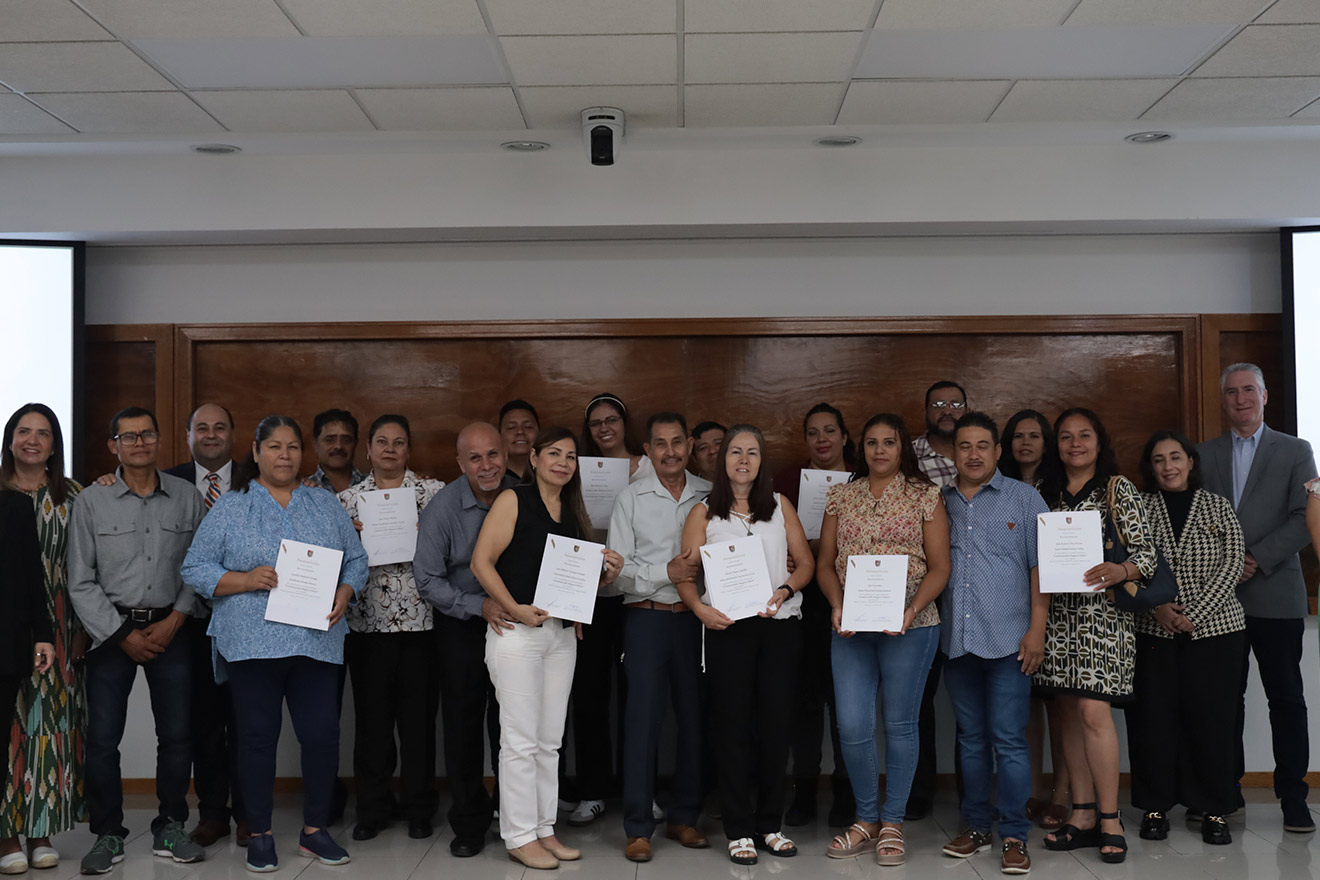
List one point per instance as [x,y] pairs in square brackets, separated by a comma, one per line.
[768,373]
[126,365]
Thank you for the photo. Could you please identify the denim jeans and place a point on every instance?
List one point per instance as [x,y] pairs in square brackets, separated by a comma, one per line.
[861,664]
[991,700]
[110,676]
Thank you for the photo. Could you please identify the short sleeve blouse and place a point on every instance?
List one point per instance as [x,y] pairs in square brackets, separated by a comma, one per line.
[892,524]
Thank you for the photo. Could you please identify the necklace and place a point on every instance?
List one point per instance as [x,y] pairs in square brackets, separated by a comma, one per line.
[743,518]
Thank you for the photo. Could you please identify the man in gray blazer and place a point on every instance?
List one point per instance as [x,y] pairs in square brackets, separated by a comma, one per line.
[1264,474]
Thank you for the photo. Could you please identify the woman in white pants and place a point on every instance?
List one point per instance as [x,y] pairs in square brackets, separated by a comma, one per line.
[531,662]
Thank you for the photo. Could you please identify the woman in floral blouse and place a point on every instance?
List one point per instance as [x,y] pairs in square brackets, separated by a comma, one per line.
[889,508]
[389,651]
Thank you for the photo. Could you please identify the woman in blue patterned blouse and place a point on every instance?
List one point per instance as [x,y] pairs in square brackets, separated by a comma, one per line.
[231,562]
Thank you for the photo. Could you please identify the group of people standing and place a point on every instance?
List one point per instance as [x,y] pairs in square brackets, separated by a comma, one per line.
[170,571]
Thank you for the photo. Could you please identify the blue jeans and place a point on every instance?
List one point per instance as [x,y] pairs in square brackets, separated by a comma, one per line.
[860,664]
[991,700]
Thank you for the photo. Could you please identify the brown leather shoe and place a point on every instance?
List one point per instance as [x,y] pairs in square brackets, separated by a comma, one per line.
[1015,859]
[638,849]
[208,831]
[533,855]
[688,836]
[242,834]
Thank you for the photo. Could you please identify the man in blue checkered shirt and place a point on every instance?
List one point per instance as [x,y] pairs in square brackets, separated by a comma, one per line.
[993,631]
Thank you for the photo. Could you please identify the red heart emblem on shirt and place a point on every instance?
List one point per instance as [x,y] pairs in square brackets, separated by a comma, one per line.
[1012,526]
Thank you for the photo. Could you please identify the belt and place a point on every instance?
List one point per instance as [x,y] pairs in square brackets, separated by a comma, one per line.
[648,605]
[145,615]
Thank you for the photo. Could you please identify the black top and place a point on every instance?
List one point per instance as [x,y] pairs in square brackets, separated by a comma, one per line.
[1179,505]
[520,563]
[23,617]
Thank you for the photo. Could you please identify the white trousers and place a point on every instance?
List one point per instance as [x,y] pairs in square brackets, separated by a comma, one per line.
[532,670]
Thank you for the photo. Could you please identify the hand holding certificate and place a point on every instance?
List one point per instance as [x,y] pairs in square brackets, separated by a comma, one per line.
[602,481]
[569,578]
[874,594]
[737,578]
[389,525]
[1068,544]
[813,486]
[307,579]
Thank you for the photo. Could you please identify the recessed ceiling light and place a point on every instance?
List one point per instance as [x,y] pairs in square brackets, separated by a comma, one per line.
[1149,137]
[216,149]
[524,146]
[838,140]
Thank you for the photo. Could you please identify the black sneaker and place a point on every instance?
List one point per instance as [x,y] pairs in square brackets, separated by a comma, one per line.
[1214,830]
[107,852]
[171,841]
[1154,826]
[1297,817]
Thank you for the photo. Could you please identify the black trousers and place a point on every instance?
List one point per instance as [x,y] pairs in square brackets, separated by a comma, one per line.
[1181,728]
[9,687]
[815,695]
[466,699]
[595,727]
[214,737]
[1277,644]
[753,667]
[393,678]
[662,655]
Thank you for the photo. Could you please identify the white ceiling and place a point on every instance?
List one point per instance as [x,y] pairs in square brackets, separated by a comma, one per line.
[75,69]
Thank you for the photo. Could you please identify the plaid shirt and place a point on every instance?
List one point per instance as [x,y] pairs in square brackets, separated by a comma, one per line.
[938,469]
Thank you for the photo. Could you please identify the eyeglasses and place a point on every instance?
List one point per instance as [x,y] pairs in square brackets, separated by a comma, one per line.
[607,422]
[954,405]
[131,438]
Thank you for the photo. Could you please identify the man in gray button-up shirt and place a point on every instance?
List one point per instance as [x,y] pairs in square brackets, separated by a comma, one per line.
[127,542]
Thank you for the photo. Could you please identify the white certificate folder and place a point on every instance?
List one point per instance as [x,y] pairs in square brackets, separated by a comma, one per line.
[737,578]
[1068,544]
[874,593]
[308,577]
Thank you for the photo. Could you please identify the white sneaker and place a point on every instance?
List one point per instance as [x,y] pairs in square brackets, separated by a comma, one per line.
[657,812]
[585,813]
[14,863]
[45,857]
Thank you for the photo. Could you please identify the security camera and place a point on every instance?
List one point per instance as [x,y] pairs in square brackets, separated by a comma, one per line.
[602,132]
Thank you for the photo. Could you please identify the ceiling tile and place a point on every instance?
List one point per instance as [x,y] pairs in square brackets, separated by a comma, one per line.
[23,20]
[301,110]
[885,103]
[1292,12]
[980,14]
[588,61]
[18,116]
[455,109]
[76,67]
[1216,100]
[583,16]
[130,19]
[129,112]
[1268,50]
[1165,11]
[769,58]
[562,106]
[761,104]
[743,16]
[354,18]
[1080,100]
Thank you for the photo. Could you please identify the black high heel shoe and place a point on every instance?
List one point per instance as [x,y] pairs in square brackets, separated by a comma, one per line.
[1069,836]
[1115,840]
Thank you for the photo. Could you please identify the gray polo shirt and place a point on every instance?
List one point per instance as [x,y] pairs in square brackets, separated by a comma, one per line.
[446,534]
[126,550]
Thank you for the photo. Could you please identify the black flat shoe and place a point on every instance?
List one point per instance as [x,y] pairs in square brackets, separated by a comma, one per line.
[1154,826]
[1069,837]
[1117,841]
[1297,817]
[365,831]
[466,847]
[420,829]
[1214,830]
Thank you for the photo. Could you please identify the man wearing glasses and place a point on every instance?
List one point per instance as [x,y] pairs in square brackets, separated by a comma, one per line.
[127,542]
[945,403]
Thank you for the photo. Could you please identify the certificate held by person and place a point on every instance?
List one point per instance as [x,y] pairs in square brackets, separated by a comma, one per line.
[307,578]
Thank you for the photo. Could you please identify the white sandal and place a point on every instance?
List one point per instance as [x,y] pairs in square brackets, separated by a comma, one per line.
[890,838]
[846,849]
[779,845]
[740,849]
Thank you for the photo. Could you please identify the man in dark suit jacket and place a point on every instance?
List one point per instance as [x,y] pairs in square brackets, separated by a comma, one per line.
[1264,474]
[211,441]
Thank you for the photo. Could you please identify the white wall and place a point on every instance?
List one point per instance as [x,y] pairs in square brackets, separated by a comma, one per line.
[984,275]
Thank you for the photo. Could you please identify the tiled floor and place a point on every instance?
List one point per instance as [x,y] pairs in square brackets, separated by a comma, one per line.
[1261,850]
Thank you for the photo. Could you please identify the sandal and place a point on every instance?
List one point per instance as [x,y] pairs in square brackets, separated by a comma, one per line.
[1053,817]
[891,839]
[1070,837]
[1117,841]
[742,851]
[778,845]
[1035,807]
[841,846]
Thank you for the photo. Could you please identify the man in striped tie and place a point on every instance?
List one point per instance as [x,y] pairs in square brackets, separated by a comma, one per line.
[211,441]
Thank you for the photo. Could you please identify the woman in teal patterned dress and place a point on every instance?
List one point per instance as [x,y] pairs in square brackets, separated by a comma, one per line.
[45,743]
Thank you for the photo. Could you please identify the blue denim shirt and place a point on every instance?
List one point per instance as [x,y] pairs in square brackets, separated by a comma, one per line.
[243,531]
[986,609]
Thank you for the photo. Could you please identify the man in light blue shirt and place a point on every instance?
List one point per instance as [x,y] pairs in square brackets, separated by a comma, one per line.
[993,631]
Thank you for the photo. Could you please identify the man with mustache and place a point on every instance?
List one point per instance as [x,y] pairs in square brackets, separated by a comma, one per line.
[992,618]
[661,637]
[335,437]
